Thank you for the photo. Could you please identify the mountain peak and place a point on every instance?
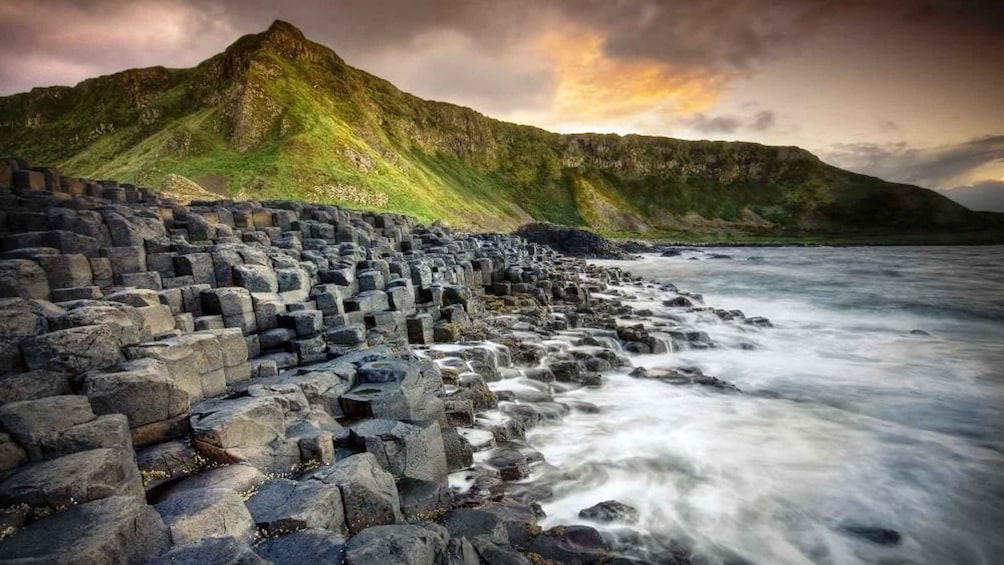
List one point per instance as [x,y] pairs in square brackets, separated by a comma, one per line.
[285,38]
[281,29]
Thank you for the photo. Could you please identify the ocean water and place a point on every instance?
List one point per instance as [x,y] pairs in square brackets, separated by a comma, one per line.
[853,440]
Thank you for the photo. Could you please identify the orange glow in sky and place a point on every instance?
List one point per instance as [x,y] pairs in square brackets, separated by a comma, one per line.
[597,89]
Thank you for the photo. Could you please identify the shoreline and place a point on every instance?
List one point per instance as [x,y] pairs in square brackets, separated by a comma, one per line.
[164,364]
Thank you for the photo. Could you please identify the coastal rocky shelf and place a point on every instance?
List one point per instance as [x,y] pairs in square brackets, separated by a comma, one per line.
[284,382]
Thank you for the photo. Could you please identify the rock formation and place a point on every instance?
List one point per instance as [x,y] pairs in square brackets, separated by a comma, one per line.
[280,381]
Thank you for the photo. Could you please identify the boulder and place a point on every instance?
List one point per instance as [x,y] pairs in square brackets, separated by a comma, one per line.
[471,523]
[11,454]
[75,350]
[33,385]
[141,389]
[180,361]
[241,478]
[224,431]
[283,505]
[459,451]
[20,278]
[571,544]
[218,551]
[111,531]
[167,461]
[256,278]
[111,430]
[402,544]
[369,494]
[405,450]
[72,479]
[304,546]
[206,513]
[29,421]
[126,324]
[610,511]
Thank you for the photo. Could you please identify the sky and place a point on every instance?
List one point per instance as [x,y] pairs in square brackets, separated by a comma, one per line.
[908,90]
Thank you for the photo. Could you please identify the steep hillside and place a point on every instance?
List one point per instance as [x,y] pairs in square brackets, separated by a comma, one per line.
[276,115]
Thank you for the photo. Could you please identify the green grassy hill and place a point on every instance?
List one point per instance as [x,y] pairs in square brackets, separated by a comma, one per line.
[276,115]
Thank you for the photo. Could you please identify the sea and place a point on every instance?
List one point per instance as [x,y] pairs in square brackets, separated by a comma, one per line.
[869,426]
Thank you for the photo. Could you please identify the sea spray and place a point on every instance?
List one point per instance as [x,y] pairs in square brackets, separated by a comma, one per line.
[853,440]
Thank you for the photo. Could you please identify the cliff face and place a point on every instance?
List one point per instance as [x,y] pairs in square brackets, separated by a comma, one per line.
[276,115]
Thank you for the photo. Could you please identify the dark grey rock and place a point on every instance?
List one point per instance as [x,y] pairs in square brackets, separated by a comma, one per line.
[142,389]
[405,450]
[111,531]
[304,546]
[610,511]
[79,477]
[369,494]
[283,505]
[193,515]
[404,544]
[218,551]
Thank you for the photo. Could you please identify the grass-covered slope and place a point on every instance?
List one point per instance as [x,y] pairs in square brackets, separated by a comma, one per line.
[276,115]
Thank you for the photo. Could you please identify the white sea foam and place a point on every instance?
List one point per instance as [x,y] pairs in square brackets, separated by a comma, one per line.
[845,420]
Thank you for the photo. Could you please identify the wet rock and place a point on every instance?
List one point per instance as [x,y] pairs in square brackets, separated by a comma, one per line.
[610,511]
[520,520]
[111,531]
[471,523]
[459,452]
[873,534]
[678,302]
[684,376]
[570,544]
[758,321]
[511,463]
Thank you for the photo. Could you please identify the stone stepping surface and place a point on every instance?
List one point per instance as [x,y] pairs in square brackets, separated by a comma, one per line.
[286,382]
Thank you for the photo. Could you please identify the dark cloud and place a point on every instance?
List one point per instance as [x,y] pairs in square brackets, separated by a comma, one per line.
[657,54]
[986,196]
[935,167]
[761,122]
[71,37]
[720,124]
[65,41]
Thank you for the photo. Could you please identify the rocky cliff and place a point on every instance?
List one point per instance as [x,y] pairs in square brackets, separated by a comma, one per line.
[276,115]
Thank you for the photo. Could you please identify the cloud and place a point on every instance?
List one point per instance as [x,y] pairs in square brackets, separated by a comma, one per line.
[938,167]
[593,87]
[762,121]
[67,41]
[625,65]
[986,196]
